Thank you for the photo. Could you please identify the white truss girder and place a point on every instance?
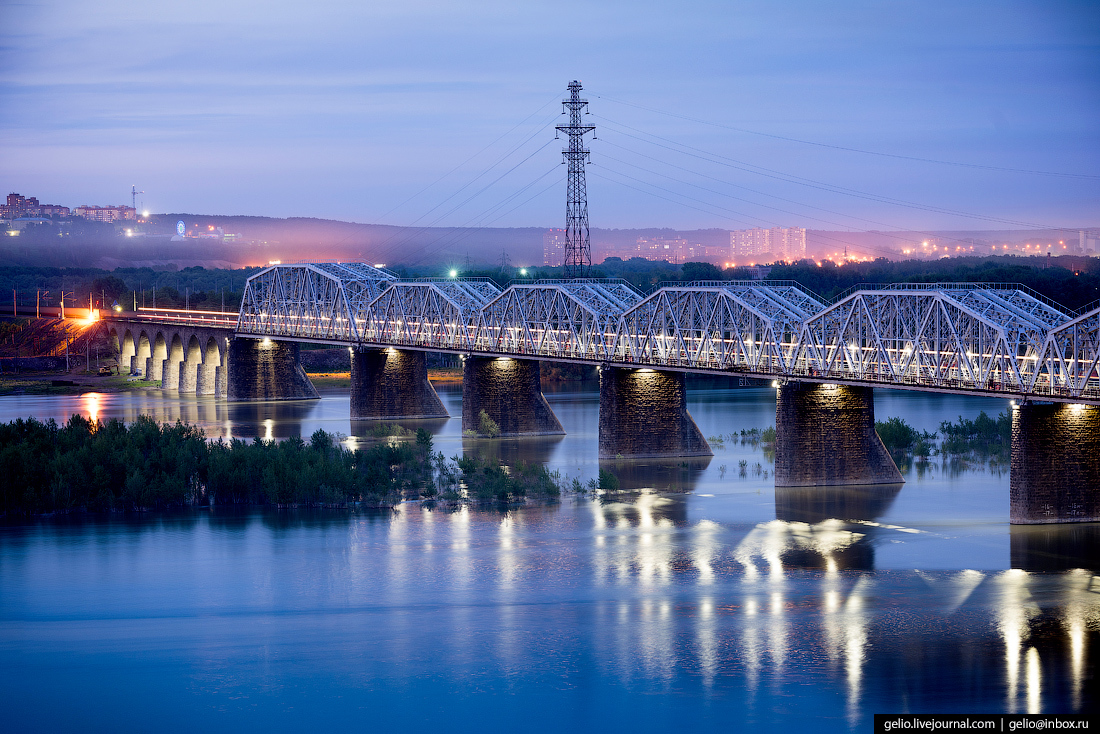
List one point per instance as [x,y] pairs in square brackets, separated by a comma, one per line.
[570,319]
[937,336]
[949,336]
[440,313]
[1070,360]
[321,301]
[734,325]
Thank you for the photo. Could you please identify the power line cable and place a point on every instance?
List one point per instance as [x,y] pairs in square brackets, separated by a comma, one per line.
[448,173]
[471,197]
[810,183]
[979,166]
[460,233]
[767,206]
[470,232]
[409,236]
[702,204]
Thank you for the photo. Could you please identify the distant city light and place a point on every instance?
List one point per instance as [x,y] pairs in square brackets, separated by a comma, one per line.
[523,271]
[145,214]
[453,274]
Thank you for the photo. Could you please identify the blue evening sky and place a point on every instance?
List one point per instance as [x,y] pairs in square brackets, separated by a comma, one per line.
[432,112]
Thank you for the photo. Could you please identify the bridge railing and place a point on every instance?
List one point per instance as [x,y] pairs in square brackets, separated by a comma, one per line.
[176,315]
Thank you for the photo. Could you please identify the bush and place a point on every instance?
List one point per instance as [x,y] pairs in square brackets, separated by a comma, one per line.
[900,437]
[982,435]
[490,480]
[487,426]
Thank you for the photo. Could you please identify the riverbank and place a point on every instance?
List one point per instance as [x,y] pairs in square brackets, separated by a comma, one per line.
[75,382]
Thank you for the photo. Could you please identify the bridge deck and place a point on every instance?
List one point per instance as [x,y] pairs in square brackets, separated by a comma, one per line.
[998,341]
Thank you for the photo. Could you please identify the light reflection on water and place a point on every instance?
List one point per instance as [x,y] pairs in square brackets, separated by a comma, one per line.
[629,602]
[737,603]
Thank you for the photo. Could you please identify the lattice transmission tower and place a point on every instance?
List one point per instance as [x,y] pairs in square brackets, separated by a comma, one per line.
[578,247]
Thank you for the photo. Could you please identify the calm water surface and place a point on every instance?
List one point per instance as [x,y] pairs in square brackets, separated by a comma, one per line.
[706,601]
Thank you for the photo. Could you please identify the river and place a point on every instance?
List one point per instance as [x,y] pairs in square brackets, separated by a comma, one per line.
[704,601]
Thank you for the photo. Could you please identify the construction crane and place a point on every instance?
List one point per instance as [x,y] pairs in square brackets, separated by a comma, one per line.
[133,197]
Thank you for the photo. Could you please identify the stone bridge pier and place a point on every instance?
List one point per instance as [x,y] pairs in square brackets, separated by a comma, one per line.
[1055,469]
[825,436]
[510,392]
[392,383]
[265,369]
[643,413]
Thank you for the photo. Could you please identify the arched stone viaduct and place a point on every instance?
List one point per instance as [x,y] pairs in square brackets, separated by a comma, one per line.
[207,360]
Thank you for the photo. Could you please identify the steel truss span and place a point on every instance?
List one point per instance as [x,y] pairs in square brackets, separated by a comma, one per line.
[995,339]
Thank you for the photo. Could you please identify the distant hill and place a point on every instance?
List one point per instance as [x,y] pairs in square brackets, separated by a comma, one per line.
[259,240]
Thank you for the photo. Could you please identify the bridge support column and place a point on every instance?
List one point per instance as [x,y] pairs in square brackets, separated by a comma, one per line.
[206,379]
[825,436]
[392,383]
[263,369]
[643,413]
[189,377]
[153,367]
[170,373]
[510,392]
[1055,470]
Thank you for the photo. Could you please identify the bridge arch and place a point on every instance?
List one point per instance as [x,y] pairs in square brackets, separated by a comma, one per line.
[746,325]
[946,335]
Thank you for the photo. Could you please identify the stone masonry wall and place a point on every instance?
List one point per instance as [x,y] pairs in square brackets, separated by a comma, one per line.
[392,383]
[266,370]
[825,435]
[510,392]
[1055,474]
[643,413]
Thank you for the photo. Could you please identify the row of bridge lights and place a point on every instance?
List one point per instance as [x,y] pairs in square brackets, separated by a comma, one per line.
[452,273]
[854,349]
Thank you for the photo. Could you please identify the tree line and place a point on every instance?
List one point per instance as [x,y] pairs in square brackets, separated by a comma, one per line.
[91,466]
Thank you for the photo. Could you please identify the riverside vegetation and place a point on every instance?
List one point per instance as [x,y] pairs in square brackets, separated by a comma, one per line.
[96,467]
[982,437]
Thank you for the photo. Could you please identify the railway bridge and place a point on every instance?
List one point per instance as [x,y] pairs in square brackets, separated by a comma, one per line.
[824,359]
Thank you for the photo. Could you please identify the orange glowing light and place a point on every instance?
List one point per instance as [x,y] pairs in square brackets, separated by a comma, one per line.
[90,402]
